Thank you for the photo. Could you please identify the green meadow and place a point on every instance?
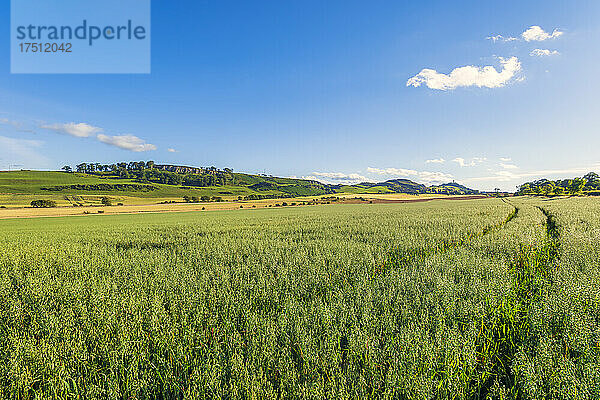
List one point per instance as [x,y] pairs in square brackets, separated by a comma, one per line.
[473,299]
[19,188]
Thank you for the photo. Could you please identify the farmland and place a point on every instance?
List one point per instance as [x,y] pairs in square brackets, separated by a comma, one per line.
[143,186]
[463,299]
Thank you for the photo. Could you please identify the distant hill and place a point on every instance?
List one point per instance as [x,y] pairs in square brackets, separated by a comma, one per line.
[149,180]
[405,186]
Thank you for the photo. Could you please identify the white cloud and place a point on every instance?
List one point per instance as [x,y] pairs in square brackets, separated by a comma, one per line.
[78,130]
[508,166]
[474,161]
[505,159]
[392,171]
[500,38]
[172,151]
[421,176]
[543,53]
[127,142]
[467,76]
[461,162]
[435,161]
[337,178]
[434,177]
[507,176]
[536,33]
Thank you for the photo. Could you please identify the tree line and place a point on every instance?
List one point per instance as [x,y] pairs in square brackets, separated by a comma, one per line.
[544,187]
[149,172]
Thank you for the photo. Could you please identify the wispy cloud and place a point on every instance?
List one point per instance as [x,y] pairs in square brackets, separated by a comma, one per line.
[543,53]
[22,152]
[467,76]
[337,178]
[127,142]
[537,34]
[500,38]
[421,176]
[172,151]
[17,125]
[81,130]
[507,176]
[471,163]
[435,161]
[392,171]
[505,159]
[508,166]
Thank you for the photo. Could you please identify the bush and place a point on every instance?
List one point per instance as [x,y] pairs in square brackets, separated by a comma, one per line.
[119,204]
[106,201]
[43,203]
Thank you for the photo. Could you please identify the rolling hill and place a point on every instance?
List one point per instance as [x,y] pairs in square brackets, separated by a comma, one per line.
[172,183]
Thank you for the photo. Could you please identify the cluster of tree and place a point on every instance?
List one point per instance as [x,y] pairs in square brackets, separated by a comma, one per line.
[95,168]
[196,199]
[43,203]
[544,187]
[148,171]
[265,196]
[103,187]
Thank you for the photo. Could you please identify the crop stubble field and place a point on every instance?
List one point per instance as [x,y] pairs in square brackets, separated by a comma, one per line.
[445,299]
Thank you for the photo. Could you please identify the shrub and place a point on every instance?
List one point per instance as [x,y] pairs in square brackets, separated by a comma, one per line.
[43,203]
[106,201]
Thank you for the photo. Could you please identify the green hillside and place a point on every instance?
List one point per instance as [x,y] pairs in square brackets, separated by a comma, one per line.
[406,186]
[130,181]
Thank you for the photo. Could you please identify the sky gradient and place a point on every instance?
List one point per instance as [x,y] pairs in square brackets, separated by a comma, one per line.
[341,91]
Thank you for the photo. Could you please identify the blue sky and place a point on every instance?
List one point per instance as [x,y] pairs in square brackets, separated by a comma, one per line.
[319,89]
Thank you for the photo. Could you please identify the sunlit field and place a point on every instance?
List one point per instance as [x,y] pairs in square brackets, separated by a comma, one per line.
[462,299]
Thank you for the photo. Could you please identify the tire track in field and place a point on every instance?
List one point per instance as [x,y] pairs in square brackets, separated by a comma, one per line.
[399,258]
[505,331]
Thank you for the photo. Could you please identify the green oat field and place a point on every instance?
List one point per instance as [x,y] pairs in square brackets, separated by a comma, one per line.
[473,299]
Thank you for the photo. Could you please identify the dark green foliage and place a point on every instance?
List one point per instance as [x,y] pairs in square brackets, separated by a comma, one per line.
[588,184]
[43,203]
[103,187]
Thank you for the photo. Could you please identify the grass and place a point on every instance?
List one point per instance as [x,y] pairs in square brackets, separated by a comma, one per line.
[446,299]
[18,188]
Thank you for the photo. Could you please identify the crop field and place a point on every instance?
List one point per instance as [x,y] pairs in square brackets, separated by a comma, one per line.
[463,299]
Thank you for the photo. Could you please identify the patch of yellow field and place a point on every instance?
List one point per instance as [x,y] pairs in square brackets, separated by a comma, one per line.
[133,205]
